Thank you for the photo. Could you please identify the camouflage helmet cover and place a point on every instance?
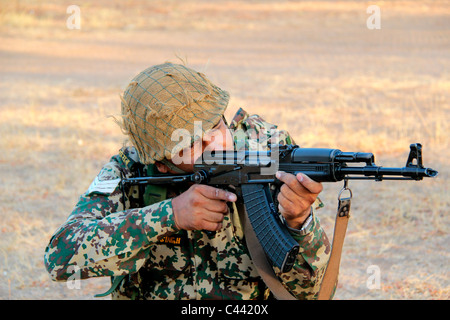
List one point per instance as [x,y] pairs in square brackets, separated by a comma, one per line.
[164,98]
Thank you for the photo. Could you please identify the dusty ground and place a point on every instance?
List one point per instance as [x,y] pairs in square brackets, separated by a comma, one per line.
[312,67]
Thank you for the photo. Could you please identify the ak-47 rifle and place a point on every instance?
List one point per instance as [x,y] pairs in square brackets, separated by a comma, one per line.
[252,176]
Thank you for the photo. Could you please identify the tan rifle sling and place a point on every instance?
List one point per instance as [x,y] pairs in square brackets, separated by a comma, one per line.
[265,269]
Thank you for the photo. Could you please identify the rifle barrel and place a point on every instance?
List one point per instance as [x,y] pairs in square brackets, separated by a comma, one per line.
[414,173]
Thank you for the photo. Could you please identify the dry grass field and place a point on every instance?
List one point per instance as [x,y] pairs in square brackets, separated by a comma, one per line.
[313,67]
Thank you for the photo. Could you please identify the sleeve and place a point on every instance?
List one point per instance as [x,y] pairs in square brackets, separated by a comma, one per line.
[100,238]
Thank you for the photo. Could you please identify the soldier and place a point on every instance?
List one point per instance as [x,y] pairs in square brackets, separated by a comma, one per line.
[151,241]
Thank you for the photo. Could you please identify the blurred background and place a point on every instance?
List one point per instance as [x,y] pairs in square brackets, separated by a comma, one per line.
[333,73]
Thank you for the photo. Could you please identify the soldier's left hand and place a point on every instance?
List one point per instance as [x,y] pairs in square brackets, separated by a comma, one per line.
[296,196]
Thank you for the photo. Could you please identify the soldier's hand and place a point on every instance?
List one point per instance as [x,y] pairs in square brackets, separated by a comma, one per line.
[201,207]
[296,196]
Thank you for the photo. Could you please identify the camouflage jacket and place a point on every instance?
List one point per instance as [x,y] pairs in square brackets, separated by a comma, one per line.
[139,244]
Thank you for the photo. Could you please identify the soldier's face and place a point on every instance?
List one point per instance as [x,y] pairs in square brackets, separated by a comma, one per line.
[217,139]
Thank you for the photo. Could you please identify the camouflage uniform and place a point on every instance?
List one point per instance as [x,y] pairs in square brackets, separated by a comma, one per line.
[140,245]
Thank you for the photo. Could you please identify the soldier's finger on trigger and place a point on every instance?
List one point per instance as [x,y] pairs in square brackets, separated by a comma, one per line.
[218,194]
[210,204]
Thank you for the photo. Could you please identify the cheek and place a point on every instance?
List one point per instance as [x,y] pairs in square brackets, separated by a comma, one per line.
[220,141]
[213,144]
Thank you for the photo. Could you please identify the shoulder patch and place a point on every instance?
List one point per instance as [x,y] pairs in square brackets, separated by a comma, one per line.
[103,186]
[128,156]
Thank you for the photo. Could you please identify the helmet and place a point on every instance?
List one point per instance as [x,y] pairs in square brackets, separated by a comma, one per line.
[164,98]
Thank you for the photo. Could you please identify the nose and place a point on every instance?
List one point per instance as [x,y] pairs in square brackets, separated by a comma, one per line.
[220,140]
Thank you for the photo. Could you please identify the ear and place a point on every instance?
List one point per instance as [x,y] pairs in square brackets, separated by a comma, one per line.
[161,167]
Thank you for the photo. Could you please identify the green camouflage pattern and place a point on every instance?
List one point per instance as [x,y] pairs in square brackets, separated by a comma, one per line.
[251,132]
[111,235]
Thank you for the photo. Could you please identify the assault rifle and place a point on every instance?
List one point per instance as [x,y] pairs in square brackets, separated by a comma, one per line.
[251,175]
